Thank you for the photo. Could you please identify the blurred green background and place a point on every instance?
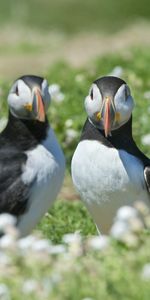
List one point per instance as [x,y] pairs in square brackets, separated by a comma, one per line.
[34,34]
[72,16]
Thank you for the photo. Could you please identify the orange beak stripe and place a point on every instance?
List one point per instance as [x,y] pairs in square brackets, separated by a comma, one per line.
[107,121]
[40,107]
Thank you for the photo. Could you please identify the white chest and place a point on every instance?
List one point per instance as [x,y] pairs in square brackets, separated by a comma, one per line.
[107,179]
[44,168]
[99,172]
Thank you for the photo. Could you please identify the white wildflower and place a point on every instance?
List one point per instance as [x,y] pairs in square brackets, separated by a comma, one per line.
[7,220]
[4,259]
[30,286]
[119,229]
[71,135]
[99,242]
[69,123]
[55,93]
[147,95]
[145,140]
[71,238]
[27,242]
[57,249]
[130,239]
[75,248]
[79,78]
[55,278]
[54,89]
[41,245]
[74,242]
[7,241]
[125,213]
[136,224]
[87,298]
[4,292]
[146,272]
[117,71]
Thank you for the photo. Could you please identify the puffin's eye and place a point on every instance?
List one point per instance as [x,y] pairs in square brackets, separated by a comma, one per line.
[91,94]
[127,92]
[17,91]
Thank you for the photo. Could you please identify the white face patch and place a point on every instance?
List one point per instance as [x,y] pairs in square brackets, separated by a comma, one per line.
[93,101]
[124,104]
[45,93]
[20,94]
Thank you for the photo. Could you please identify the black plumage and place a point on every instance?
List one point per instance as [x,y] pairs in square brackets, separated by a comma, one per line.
[18,137]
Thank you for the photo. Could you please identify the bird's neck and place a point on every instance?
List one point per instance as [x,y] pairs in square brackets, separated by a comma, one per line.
[121,139]
[25,133]
[121,136]
[118,138]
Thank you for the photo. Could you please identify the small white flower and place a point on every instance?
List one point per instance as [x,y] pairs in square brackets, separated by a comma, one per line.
[146,272]
[87,298]
[71,134]
[147,95]
[130,239]
[60,97]
[4,259]
[30,286]
[145,140]
[119,229]
[4,292]
[74,243]
[7,220]
[27,242]
[55,278]
[54,89]
[99,242]
[117,71]
[69,123]
[125,213]
[57,249]
[55,93]
[79,78]
[41,245]
[71,238]
[7,241]
[136,224]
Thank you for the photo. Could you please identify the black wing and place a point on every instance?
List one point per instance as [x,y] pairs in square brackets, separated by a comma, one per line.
[147,177]
[14,193]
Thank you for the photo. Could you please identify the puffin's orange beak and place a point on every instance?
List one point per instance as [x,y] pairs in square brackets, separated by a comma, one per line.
[108,114]
[38,105]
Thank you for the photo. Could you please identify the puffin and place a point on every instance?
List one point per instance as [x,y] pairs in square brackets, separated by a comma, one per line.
[32,164]
[108,169]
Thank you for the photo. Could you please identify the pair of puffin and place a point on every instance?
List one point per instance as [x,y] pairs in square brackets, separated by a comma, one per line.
[108,169]
[32,163]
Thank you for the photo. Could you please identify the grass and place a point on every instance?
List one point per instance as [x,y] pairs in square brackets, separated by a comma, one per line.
[66,217]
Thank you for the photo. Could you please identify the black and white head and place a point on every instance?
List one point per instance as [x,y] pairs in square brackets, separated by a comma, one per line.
[29,98]
[109,104]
